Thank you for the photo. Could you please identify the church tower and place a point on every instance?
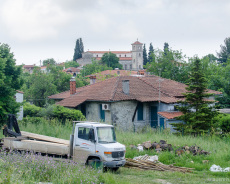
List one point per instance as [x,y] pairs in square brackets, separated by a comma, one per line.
[137,55]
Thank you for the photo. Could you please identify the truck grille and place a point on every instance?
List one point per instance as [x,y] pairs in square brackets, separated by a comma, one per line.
[118,154]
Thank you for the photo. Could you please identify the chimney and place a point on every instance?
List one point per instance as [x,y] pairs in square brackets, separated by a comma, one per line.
[125,86]
[72,86]
[141,72]
[92,79]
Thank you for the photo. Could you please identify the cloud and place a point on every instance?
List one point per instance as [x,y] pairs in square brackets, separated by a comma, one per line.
[33,20]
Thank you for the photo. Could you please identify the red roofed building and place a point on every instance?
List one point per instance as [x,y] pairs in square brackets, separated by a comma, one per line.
[129,102]
[130,60]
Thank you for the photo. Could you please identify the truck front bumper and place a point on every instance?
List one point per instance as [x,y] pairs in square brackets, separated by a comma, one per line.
[113,164]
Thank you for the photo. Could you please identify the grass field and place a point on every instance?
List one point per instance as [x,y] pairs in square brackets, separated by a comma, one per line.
[219,148]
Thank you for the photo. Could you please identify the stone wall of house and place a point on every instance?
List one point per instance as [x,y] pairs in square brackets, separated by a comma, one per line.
[93,111]
[19,98]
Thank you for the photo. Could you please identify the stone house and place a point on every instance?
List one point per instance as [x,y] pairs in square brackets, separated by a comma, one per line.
[130,60]
[128,102]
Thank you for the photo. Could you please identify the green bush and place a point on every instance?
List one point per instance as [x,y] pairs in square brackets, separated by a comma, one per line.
[63,113]
[31,110]
[225,123]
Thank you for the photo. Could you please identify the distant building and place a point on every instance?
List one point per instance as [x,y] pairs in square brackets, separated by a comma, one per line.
[28,68]
[72,70]
[130,60]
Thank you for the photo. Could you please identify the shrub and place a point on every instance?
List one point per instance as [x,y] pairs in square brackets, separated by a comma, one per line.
[65,113]
[225,123]
[31,110]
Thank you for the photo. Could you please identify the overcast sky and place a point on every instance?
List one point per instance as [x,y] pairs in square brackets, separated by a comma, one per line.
[40,29]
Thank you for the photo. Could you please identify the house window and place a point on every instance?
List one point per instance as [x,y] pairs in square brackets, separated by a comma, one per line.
[140,112]
[102,113]
[125,55]
[139,66]
[131,67]
[97,55]
[125,67]
[119,55]
[139,54]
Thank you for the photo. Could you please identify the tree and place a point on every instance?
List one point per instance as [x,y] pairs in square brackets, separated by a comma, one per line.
[50,61]
[71,64]
[170,66]
[10,81]
[78,50]
[95,67]
[145,59]
[166,48]
[111,60]
[151,53]
[224,53]
[198,113]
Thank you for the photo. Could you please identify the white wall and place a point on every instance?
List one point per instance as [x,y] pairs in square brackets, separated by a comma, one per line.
[19,98]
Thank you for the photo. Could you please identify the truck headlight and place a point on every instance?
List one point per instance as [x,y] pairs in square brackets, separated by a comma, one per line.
[108,154]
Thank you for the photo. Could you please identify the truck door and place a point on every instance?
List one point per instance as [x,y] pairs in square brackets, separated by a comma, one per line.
[83,147]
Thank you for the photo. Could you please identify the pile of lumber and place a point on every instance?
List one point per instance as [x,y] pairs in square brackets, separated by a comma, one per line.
[37,143]
[195,150]
[158,166]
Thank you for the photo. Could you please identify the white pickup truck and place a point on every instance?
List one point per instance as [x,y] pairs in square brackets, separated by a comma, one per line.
[89,141]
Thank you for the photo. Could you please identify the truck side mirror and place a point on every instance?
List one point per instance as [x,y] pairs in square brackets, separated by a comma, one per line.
[91,135]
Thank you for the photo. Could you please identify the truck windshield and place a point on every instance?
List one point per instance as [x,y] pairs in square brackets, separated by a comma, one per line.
[106,135]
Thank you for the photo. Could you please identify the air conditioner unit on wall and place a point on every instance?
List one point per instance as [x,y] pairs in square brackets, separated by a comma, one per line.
[106,107]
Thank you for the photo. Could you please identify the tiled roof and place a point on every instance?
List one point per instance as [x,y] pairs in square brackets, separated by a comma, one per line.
[170,115]
[143,89]
[103,74]
[28,66]
[115,52]
[136,43]
[19,91]
[72,69]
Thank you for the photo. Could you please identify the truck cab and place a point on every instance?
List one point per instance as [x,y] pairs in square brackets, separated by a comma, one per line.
[97,141]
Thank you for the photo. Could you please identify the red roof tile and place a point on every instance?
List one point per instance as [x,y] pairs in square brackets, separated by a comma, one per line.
[137,43]
[115,52]
[170,115]
[144,89]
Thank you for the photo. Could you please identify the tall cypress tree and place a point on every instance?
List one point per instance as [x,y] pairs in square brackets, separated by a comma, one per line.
[198,114]
[151,53]
[166,48]
[78,50]
[145,59]
[81,48]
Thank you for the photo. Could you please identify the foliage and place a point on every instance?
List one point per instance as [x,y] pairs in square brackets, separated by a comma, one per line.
[52,111]
[111,60]
[30,110]
[34,168]
[166,48]
[71,64]
[224,123]
[95,67]
[78,50]
[63,113]
[171,65]
[198,113]
[41,86]
[145,59]
[224,53]
[10,81]
[50,61]
[151,55]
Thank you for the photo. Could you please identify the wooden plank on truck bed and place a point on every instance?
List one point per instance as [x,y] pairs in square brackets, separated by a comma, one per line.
[45,138]
[37,146]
